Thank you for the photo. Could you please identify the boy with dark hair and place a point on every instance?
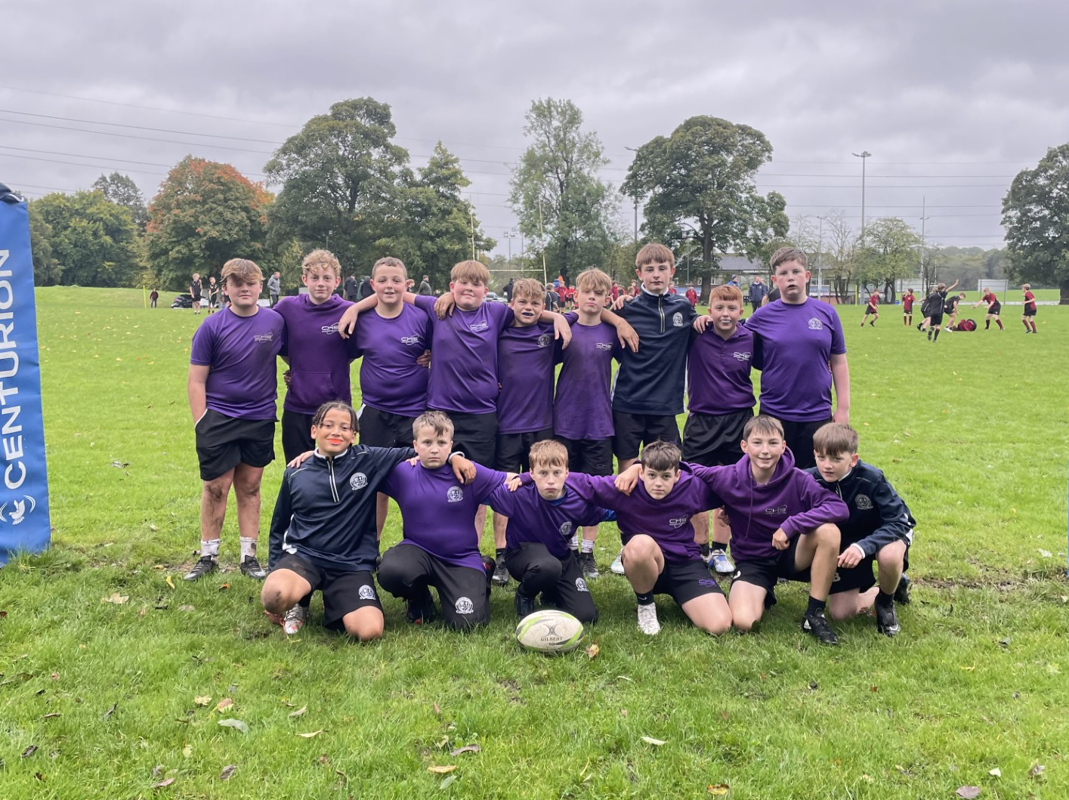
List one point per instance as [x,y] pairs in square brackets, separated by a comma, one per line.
[951,309]
[782,526]
[440,547]
[541,519]
[933,307]
[232,387]
[323,531]
[1029,315]
[317,357]
[797,339]
[660,555]
[879,529]
[908,299]
[994,307]
[720,403]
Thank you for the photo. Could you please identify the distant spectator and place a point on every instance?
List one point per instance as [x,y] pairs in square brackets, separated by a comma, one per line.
[692,296]
[425,287]
[194,292]
[274,287]
[366,289]
[506,290]
[152,298]
[352,289]
[758,293]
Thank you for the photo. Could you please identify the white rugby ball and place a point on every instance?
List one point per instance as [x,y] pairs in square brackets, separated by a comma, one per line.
[550,631]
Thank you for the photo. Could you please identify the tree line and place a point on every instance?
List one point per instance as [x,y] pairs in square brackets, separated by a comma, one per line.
[348,187]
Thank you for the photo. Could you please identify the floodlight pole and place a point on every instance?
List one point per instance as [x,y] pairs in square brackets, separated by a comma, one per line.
[820,259]
[863,155]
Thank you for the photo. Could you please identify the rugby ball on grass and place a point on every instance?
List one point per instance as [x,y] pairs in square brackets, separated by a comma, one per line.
[550,631]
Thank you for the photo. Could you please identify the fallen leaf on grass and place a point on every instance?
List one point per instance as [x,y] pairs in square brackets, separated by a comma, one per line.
[445,784]
[163,784]
[1044,553]
[223,704]
[111,710]
[187,751]
[470,748]
[442,770]
[203,700]
[228,770]
[996,772]
[967,669]
[437,710]
[651,740]
[29,751]
[224,587]
[52,715]
[299,711]
[717,789]
[311,735]
[968,792]
[593,650]
[1036,771]
[237,724]
[169,581]
[185,608]
[116,598]
[120,464]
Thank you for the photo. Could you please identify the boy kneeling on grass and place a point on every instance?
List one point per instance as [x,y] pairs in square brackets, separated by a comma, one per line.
[323,529]
[879,528]
[782,526]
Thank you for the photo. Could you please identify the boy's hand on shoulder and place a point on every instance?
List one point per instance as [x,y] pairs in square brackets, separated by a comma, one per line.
[444,305]
[851,556]
[514,483]
[620,302]
[425,359]
[347,323]
[307,454]
[780,540]
[628,335]
[287,376]
[463,469]
[413,461]
[701,322]
[627,480]
[722,515]
[562,330]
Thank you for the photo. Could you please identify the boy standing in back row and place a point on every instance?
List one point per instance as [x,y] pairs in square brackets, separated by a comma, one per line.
[799,342]
[232,388]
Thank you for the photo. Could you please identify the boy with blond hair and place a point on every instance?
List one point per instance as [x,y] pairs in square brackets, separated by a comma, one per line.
[318,359]
[720,403]
[879,529]
[232,387]
[541,518]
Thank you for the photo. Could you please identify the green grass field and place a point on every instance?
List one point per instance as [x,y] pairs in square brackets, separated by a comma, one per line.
[108,699]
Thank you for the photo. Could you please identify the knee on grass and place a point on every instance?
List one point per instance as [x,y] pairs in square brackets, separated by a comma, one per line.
[365,628]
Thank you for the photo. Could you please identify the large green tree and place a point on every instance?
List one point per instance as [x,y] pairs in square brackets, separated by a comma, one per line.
[121,190]
[889,252]
[556,192]
[434,227]
[46,270]
[341,179]
[205,214]
[698,184]
[93,241]
[1035,214]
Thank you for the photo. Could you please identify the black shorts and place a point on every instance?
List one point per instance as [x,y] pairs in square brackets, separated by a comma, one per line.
[995,309]
[870,310]
[589,456]
[907,310]
[862,576]
[296,434]
[1029,312]
[475,435]
[343,591]
[713,439]
[686,580]
[765,572]
[799,437]
[513,449]
[224,442]
[936,319]
[385,429]
[633,430]
[559,580]
[464,593]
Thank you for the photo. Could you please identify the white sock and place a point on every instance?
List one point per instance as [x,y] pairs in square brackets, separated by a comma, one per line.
[209,547]
[248,548]
[574,543]
[587,546]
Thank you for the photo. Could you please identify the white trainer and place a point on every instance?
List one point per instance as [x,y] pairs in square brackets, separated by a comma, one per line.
[294,619]
[647,620]
[617,565]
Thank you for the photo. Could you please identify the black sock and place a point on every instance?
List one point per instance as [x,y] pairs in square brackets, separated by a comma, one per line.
[929,334]
[705,549]
[987,324]
[644,599]
[815,606]
[885,600]
[936,339]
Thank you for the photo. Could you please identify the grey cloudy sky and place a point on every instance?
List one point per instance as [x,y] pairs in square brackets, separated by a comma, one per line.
[951,98]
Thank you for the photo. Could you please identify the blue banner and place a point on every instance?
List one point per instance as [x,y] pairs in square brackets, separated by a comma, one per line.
[24,522]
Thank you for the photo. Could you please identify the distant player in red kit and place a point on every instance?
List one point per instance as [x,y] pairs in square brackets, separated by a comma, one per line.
[871,310]
[692,296]
[908,299]
[1029,315]
[993,309]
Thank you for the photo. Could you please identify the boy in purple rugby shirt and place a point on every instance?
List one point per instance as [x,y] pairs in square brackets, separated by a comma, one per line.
[232,387]
[720,403]
[541,518]
[318,359]
[440,547]
[660,555]
[799,342]
[782,526]
[582,411]
[391,339]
